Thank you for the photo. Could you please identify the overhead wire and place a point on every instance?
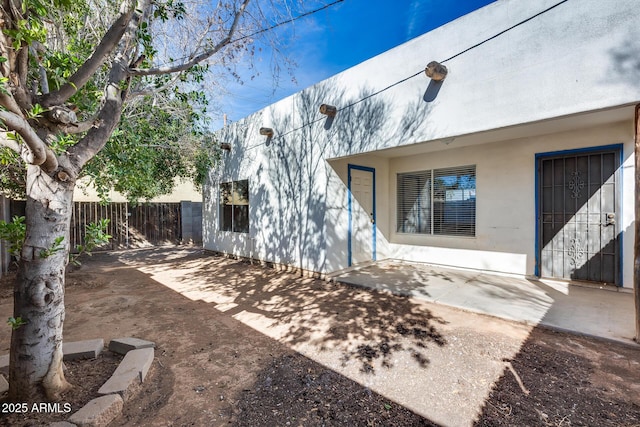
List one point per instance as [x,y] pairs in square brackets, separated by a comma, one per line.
[271,28]
[422,71]
[288,21]
[504,31]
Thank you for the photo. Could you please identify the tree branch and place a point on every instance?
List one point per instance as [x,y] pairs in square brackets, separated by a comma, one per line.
[78,127]
[109,115]
[35,152]
[98,136]
[21,92]
[198,58]
[149,90]
[5,68]
[36,49]
[107,45]
[23,128]
[8,101]
[8,68]
[22,66]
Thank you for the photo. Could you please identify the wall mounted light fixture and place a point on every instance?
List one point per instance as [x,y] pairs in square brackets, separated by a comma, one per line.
[268,132]
[328,110]
[436,71]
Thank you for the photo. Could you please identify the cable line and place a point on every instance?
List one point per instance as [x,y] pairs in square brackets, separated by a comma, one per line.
[421,71]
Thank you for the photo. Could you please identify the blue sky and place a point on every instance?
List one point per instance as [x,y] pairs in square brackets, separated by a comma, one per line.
[338,38]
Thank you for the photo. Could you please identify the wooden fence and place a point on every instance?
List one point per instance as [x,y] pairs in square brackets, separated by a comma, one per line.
[130,227]
[144,225]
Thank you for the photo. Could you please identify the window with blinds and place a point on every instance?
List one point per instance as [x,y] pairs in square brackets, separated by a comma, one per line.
[414,202]
[439,201]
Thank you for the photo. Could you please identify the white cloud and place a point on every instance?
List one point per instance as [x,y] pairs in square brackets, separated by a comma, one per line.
[418,14]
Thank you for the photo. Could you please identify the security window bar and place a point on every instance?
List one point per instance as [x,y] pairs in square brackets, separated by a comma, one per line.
[439,201]
[234,206]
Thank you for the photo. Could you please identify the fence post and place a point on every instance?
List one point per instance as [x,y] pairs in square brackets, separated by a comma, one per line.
[186,222]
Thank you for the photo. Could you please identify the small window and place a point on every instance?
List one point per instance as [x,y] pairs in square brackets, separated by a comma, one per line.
[439,201]
[234,206]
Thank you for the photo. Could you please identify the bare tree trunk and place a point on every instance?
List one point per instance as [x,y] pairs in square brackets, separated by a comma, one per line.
[36,346]
[636,264]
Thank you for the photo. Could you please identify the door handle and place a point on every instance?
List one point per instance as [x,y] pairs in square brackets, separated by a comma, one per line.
[610,218]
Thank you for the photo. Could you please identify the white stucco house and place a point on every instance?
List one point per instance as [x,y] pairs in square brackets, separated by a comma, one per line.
[520,161]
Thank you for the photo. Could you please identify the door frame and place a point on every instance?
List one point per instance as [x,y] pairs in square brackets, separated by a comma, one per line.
[619,194]
[351,167]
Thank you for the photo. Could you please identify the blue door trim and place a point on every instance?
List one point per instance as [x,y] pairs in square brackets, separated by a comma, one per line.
[350,167]
[619,183]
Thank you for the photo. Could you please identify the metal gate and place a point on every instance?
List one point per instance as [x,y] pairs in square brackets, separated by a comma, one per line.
[578,233]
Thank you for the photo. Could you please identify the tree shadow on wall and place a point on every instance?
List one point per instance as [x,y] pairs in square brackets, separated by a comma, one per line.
[360,125]
[294,192]
[293,181]
[625,59]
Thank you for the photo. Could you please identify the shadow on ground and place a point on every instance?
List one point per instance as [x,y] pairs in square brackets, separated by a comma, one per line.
[295,390]
[371,358]
[563,379]
[364,325]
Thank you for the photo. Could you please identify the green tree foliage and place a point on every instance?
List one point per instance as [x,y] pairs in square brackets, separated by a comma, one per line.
[13,233]
[150,148]
[95,236]
[162,134]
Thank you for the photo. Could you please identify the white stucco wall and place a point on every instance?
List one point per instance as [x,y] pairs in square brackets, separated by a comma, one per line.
[556,82]
[505,204]
[574,58]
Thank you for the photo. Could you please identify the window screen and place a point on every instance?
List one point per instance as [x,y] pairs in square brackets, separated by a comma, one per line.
[441,201]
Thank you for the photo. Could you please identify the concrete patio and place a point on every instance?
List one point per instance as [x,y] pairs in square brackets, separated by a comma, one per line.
[605,312]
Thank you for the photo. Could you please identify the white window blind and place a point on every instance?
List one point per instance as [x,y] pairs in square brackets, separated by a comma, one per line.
[454,201]
[441,201]
[414,202]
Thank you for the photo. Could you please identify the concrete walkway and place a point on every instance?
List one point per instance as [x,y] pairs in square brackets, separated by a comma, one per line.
[602,312]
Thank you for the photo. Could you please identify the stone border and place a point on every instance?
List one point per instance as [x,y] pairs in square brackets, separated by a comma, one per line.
[124,383]
[4,369]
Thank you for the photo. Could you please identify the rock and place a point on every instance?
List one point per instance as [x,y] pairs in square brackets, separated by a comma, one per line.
[124,345]
[99,412]
[4,385]
[88,349]
[4,364]
[129,374]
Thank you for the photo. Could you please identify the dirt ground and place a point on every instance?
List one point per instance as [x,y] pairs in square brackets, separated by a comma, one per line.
[244,345]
